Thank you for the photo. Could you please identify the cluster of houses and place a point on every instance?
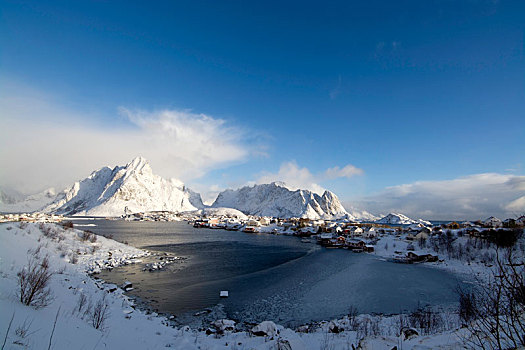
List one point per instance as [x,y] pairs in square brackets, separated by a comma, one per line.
[31,217]
[152,216]
[353,236]
[344,234]
[363,237]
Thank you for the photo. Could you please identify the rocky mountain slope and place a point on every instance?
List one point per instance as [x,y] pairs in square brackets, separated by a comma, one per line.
[276,199]
[124,189]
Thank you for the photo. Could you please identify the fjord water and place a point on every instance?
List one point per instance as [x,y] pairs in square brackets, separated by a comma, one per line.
[269,277]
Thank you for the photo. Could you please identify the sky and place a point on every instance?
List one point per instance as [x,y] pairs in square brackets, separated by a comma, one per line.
[411,106]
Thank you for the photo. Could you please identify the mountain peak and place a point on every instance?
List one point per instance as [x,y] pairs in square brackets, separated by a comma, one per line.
[138,164]
[281,184]
[123,189]
[278,200]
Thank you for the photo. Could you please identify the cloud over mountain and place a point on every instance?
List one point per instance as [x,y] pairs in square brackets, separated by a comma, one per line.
[47,144]
[295,176]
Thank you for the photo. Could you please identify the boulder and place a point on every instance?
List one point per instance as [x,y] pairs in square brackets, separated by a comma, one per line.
[409,333]
[334,328]
[127,286]
[283,344]
[265,328]
[224,325]
[303,329]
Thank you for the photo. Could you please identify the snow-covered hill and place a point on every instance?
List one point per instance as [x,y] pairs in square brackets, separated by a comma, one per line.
[218,212]
[124,189]
[361,215]
[13,202]
[276,199]
[400,219]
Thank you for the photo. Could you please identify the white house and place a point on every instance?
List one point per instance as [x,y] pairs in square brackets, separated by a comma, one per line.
[355,230]
[370,233]
[492,222]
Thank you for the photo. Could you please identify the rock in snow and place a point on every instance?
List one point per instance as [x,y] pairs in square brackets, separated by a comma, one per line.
[265,328]
[124,189]
[276,199]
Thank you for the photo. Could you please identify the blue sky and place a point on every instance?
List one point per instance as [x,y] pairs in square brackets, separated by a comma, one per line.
[405,91]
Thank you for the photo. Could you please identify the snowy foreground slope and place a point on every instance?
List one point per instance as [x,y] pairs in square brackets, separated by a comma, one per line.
[129,328]
[124,189]
[276,199]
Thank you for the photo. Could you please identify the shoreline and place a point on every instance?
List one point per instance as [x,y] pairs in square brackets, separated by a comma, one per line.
[154,330]
[149,304]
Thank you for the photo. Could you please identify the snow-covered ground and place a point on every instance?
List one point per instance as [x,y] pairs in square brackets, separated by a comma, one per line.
[388,245]
[126,327]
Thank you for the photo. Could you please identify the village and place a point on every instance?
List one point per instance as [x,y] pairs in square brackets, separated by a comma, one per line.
[406,241]
[361,237]
[30,217]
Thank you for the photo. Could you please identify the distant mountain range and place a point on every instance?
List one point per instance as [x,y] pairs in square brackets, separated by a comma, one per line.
[13,202]
[134,188]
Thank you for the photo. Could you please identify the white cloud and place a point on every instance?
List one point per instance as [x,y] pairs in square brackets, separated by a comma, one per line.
[470,197]
[347,171]
[297,177]
[44,144]
[189,144]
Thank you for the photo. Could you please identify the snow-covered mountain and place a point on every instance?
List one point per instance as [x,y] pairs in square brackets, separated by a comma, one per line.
[400,219]
[276,199]
[361,215]
[9,196]
[124,189]
[15,202]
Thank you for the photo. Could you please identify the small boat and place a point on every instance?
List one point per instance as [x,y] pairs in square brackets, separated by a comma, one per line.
[305,240]
[223,294]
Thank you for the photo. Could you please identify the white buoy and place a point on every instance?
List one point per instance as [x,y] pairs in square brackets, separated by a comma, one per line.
[223,294]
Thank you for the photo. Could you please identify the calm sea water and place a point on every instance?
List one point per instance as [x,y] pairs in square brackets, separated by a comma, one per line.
[270,277]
